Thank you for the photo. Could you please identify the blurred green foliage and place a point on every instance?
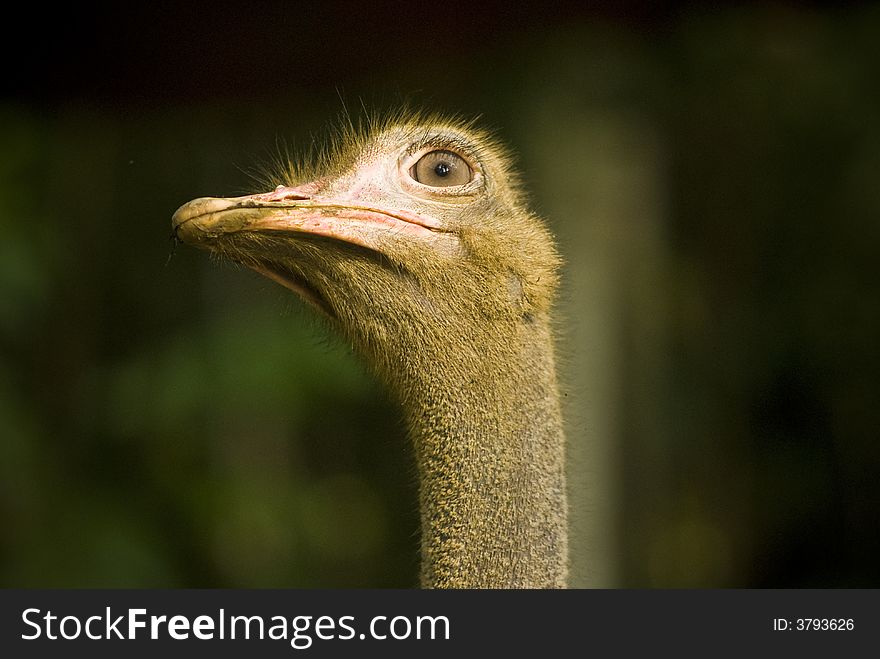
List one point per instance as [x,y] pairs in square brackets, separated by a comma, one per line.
[169,421]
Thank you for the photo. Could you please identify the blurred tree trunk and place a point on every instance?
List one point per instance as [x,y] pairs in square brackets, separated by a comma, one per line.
[594,160]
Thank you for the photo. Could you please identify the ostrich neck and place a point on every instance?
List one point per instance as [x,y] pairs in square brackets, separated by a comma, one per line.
[490,451]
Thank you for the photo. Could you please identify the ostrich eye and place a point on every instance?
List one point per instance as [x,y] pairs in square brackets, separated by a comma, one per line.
[441,169]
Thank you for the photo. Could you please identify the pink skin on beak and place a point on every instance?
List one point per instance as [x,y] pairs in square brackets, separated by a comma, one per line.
[298,210]
[301,209]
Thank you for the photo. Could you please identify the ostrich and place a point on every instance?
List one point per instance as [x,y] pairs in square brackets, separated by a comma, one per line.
[412,238]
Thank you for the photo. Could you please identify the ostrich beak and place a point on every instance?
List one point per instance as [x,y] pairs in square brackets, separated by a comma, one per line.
[297,210]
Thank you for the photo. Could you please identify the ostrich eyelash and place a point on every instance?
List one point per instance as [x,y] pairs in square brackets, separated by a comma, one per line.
[445,142]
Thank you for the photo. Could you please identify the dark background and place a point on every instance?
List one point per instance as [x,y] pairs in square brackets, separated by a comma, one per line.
[712,176]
